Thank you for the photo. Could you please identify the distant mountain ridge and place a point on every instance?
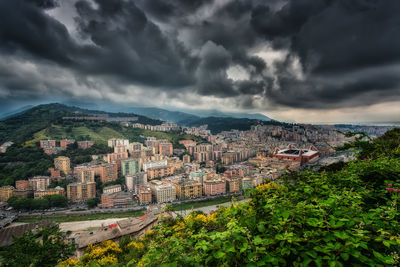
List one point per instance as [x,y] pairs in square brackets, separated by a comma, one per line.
[163,114]
[236,115]
[15,112]
[181,117]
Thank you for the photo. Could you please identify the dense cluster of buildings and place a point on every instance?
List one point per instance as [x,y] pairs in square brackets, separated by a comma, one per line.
[152,171]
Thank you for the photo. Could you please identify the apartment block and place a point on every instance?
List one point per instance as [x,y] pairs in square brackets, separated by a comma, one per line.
[6,192]
[154,164]
[142,153]
[233,185]
[22,184]
[247,183]
[188,189]
[114,157]
[159,172]
[115,142]
[214,187]
[63,164]
[165,149]
[20,193]
[130,166]
[133,180]
[85,144]
[144,195]
[39,182]
[81,192]
[162,191]
[135,146]
[64,143]
[51,191]
[54,174]
[47,143]
[112,189]
[120,149]
[85,173]
[116,200]
[186,158]
[108,172]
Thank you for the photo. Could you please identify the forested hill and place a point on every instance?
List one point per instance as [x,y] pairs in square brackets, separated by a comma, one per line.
[344,215]
[23,126]
[218,124]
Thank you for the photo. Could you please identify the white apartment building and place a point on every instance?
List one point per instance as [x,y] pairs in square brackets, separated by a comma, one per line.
[154,164]
[118,142]
[162,191]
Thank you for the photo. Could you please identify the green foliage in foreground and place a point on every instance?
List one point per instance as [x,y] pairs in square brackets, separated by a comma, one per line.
[348,217]
[42,248]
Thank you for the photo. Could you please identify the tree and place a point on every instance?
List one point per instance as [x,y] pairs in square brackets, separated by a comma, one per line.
[57,200]
[37,249]
[92,202]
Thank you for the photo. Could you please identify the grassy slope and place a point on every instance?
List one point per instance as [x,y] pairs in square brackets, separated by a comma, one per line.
[102,134]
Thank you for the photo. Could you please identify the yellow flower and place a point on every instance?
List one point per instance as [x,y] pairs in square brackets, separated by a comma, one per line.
[265,187]
[68,262]
[137,246]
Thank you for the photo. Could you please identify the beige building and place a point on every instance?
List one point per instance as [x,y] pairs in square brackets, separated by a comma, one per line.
[144,195]
[186,158]
[188,189]
[233,185]
[112,189]
[52,191]
[162,192]
[6,192]
[85,173]
[63,164]
[39,183]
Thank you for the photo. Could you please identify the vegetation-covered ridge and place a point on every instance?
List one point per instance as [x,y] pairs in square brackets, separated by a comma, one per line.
[347,216]
[49,117]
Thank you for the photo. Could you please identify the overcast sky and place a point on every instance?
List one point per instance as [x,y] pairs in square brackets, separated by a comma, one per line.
[299,60]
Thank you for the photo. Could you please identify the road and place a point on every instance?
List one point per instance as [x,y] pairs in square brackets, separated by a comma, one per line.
[89,225]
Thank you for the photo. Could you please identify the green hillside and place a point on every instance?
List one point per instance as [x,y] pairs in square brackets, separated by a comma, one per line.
[218,124]
[80,132]
[46,121]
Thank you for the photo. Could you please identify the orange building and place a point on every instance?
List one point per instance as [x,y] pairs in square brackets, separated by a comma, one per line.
[81,192]
[159,172]
[165,149]
[22,184]
[108,172]
[64,143]
[214,187]
[144,195]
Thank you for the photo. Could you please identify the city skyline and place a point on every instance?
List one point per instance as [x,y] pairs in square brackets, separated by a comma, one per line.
[298,61]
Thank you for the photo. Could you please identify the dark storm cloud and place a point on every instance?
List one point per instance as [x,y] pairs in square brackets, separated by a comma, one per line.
[338,52]
[131,46]
[164,10]
[335,39]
